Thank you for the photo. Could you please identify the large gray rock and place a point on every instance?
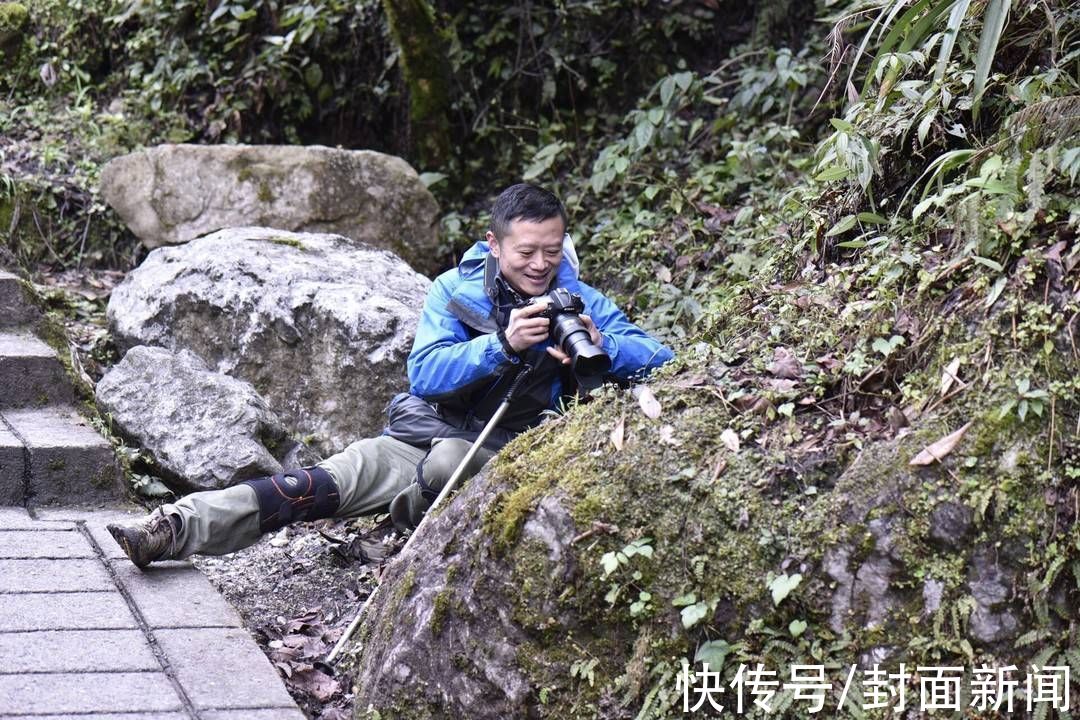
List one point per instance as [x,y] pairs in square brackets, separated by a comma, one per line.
[171,194]
[204,430]
[320,326]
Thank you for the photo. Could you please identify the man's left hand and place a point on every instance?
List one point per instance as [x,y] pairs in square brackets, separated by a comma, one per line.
[594,335]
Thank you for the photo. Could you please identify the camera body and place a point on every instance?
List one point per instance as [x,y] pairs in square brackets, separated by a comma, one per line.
[559,301]
[569,333]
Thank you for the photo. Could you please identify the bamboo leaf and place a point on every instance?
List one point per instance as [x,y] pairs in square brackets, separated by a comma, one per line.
[956,20]
[831,173]
[997,12]
[923,25]
[995,291]
[992,264]
[845,224]
[903,25]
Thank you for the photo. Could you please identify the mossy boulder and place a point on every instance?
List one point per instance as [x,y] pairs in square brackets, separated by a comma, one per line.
[510,612]
[603,553]
[14,19]
[170,194]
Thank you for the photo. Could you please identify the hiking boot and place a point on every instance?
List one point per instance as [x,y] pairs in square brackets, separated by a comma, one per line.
[152,538]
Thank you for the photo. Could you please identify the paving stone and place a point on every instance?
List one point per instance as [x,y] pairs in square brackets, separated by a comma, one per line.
[175,596]
[23,576]
[65,611]
[69,461]
[103,716]
[12,463]
[87,692]
[249,714]
[16,518]
[44,544]
[223,668]
[75,651]
[30,373]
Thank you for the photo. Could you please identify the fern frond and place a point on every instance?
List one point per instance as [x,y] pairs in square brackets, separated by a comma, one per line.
[1056,117]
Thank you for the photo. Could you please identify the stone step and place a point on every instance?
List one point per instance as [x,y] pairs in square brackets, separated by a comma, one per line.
[12,467]
[65,461]
[15,308]
[30,373]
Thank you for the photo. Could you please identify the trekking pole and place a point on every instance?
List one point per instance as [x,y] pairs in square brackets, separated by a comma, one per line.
[327,665]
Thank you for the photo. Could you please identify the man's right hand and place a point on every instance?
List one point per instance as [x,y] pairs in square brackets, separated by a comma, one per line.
[525,328]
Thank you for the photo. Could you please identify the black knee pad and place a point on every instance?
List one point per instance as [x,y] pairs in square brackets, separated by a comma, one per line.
[304,494]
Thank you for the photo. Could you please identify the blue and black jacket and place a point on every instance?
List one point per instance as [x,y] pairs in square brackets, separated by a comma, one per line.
[459,365]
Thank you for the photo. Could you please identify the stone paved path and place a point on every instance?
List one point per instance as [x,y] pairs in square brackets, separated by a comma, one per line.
[84,634]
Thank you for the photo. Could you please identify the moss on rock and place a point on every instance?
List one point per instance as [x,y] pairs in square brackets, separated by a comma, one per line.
[14,18]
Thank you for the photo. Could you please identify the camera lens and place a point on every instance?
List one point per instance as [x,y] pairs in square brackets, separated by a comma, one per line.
[570,334]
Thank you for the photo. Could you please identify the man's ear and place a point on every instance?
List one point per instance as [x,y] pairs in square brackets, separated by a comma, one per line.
[493,244]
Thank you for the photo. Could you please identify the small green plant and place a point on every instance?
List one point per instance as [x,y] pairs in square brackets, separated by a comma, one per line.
[584,669]
[1026,399]
[612,561]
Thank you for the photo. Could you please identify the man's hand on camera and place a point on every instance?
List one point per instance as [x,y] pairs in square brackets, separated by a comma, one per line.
[525,328]
[594,335]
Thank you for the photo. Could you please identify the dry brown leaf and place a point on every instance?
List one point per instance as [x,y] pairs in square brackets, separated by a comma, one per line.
[619,433]
[829,362]
[949,376]
[692,380]
[730,438]
[785,364]
[315,683]
[936,451]
[745,402]
[780,385]
[719,467]
[648,402]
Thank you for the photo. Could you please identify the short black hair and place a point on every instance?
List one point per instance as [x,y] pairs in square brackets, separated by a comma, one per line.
[524,202]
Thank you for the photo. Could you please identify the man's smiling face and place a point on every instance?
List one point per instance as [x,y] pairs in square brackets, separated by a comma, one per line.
[529,254]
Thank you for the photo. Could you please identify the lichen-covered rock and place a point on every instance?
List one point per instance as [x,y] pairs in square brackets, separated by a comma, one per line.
[170,194]
[204,430]
[319,326]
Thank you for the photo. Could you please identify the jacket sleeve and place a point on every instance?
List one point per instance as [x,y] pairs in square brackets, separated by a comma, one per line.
[632,351]
[444,358]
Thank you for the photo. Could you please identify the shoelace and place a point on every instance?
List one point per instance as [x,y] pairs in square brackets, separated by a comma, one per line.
[162,517]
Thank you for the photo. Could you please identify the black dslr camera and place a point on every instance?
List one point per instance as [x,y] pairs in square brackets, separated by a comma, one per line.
[570,334]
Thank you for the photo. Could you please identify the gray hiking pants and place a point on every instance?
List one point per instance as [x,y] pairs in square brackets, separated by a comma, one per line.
[372,475]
